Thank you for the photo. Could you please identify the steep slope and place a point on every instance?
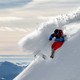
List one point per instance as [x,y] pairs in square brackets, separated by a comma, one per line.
[65,65]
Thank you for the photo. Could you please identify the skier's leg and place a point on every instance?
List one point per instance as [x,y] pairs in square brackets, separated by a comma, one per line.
[54,47]
[52,53]
[52,50]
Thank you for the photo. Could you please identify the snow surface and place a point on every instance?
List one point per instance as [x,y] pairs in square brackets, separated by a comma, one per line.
[66,63]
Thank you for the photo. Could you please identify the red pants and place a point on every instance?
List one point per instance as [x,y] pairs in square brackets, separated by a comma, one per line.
[56,45]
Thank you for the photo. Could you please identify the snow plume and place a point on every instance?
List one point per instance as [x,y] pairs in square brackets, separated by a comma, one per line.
[39,38]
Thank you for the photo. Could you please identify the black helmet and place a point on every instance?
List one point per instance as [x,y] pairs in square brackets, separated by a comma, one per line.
[56,31]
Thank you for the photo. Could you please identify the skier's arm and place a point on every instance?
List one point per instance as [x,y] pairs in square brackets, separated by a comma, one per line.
[51,36]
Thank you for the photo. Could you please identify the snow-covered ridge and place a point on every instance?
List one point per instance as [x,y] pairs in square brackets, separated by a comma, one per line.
[66,63]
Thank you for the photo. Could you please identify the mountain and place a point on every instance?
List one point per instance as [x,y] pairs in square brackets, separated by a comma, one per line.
[66,62]
[9,70]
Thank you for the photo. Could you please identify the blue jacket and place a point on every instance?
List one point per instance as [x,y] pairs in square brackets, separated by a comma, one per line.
[60,39]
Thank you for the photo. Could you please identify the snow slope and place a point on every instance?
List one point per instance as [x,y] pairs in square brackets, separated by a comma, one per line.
[65,65]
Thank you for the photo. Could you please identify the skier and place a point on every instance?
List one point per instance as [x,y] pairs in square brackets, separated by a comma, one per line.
[59,40]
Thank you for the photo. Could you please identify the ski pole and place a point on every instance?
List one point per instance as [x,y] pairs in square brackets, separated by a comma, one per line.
[39,50]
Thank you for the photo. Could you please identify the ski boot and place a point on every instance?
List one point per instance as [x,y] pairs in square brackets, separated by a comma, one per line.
[52,54]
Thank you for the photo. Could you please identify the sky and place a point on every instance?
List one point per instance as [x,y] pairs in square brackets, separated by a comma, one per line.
[20,17]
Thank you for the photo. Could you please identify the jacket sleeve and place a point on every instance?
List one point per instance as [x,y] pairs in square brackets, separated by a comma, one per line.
[51,36]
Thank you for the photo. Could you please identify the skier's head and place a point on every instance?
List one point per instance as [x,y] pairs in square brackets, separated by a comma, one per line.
[56,31]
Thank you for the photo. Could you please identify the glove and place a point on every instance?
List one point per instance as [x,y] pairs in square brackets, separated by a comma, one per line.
[50,39]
